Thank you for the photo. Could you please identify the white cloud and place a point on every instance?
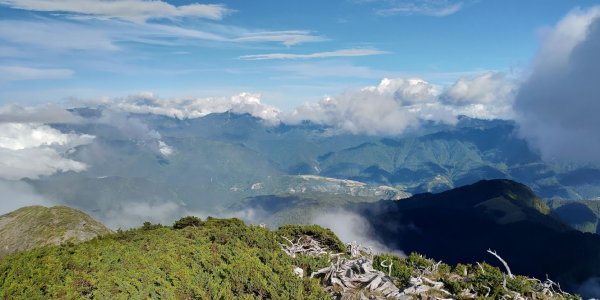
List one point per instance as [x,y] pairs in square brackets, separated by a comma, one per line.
[559,42]
[35,162]
[407,91]
[384,109]
[488,95]
[14,73]
[389,108]
[288,38]
[85,37]
[165,149]
[33,150]
[55,35]
[18,136]
[49,113]
[329,54]
[398,104]
[557,105]
[197,107]
[130,10]
[351,227]
[434,8]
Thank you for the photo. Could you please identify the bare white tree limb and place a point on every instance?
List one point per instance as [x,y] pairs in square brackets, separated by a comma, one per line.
[510,275]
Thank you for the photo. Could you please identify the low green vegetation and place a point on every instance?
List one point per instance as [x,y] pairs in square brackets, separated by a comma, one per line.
[218,259]
[483,279]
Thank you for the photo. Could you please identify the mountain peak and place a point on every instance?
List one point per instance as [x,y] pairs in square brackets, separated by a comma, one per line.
[34,226]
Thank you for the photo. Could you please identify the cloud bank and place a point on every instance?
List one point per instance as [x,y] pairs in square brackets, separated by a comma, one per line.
[182,108]
[396,105]
[30,150]
[389,108]
[49,113]
[557,106]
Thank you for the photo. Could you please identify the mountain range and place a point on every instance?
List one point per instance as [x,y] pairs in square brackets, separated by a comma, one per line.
[205,165]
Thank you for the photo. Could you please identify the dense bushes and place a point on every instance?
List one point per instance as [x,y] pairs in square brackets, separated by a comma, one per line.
[215,259]
[324,236]
[218,259]
[187,222]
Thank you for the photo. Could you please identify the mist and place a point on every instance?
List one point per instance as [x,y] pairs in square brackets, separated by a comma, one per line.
[17,194]
[349,227]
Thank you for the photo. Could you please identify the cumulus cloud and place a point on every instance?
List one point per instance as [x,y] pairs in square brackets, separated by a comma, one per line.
[389,108]
[489,95]
[197,107]
[557,105]
[130,10]
[33,150]
[49,113]
[328,54]
[396,105]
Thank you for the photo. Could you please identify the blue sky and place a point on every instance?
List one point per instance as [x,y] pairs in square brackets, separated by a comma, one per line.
[290,52]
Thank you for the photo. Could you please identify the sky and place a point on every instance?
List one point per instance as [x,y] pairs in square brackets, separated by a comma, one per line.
[288,52]
[376,67]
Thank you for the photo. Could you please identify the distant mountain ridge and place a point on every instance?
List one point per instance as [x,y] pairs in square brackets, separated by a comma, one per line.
[213,162]
[460,224]
[34,226]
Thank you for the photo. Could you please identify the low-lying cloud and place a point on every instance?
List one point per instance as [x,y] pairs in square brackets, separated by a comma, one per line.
[389,108]
[17,194]
[396,105]
[183,108]
[133,214]
[48,113]
[33,150]
[557,106]
[351,227]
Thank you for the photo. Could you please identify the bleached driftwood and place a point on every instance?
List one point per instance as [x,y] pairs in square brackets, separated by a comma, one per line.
[304,245]
[510,275]
[389,266]
[351,276]
[355,277]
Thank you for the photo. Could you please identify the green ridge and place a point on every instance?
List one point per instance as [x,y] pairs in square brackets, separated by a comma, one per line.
[35,226]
